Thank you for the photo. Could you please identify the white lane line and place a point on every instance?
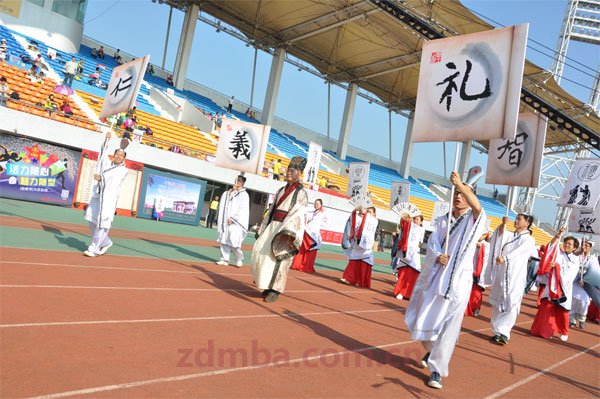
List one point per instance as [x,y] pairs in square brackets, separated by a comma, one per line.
[136,269]
[300,360]
[539,373]
[199,318]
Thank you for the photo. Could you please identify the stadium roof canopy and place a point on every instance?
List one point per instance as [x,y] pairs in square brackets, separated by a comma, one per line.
[377,45]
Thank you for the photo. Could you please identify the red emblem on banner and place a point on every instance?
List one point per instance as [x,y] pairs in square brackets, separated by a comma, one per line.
[436,57]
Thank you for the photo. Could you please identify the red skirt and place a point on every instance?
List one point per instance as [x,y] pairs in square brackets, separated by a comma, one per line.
[358,273]
[305,259]
[475,300]
[407,277]
[550,319]
[593,313]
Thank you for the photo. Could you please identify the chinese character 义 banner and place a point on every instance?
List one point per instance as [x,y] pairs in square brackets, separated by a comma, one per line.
[518,161]
[469,86]
[242,146]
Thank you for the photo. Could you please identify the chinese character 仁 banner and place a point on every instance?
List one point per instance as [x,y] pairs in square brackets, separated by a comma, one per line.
[242,146]
[518,161]
[583,186]
[124,86]
[470,85]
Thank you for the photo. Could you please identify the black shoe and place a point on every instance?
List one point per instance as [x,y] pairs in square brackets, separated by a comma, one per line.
[582,324]
[476,313]
[425,359]
[435,381]
[265,292]
[495,338]
[272,296]
[572,324]
[503,340]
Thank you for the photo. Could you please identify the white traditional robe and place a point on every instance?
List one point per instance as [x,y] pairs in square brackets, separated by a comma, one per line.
[273,252]
[437,306]
[508,286]
[234,205]
[315,221]
[485,266]
[569,266]
[362,250]
[103,205]
[581,299]
[412,257]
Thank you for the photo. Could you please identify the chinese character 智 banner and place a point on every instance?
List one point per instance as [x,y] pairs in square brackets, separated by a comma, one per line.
[518,161]
[242,146]
[124,86]
[583,186]
[469,86]
[586,222]
[399,192]
[37,171]
[313,162]
[358,178]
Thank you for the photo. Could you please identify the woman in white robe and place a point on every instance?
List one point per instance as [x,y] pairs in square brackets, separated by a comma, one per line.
[581,299]
[311,243]
[232,223]
[407,263]
[510,256]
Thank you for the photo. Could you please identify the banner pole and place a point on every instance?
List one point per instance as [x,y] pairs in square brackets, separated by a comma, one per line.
[509,198]
[452,188]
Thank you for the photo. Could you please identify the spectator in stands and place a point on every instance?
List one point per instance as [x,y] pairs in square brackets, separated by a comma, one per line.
[3,50]
[230,104]
[50,104]
[32,74]
[80,67]
[94,53]
[148,131]
[248,111]
[132,113]
[495,193]
[150,70]
[70,71]
[95,77]
[118,57]
[66,108]
[4,91]
[101,52]
[41,77]
[276,169]
[323,182]
[170,80]
[212,212]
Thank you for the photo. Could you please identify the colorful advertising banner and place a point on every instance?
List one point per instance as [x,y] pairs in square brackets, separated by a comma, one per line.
[178,198]
[36,171]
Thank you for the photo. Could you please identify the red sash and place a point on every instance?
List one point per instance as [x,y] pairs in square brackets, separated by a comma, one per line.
[289,188]
[548,257]
[479,266]
[403,241]
[360,229]
[555,291]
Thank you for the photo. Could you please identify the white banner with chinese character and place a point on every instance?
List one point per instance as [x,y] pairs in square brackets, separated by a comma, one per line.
[358,178]
[518,161]
[470,85]
[583,186]
[440,208]
[242,146]
[313,162]
[399,192]
[124,86]
[586,222]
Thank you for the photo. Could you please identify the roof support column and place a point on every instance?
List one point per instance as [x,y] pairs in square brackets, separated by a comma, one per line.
[465,155]
[185,45]
[268,110]
[408,148]
[346,127]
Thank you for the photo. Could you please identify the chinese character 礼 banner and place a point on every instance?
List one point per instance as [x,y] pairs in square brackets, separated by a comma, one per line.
[582,189]
[124,86]
[518,161]
[242,146]
[358,178]
[470,85]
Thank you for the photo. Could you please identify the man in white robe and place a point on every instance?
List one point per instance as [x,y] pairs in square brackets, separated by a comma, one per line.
[232,223]
[280,234]
[511,253]
[581,299]
[436,309]
[109,176]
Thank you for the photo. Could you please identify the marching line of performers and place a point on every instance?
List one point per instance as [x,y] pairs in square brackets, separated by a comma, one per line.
[462,259]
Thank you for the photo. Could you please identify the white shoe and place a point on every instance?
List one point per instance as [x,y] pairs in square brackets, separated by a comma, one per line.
[89,253]
[399,296]
[104,249]
[239,263]
[564,338]
[221,262]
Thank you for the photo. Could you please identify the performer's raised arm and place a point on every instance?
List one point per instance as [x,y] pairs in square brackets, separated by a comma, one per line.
[467,193]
